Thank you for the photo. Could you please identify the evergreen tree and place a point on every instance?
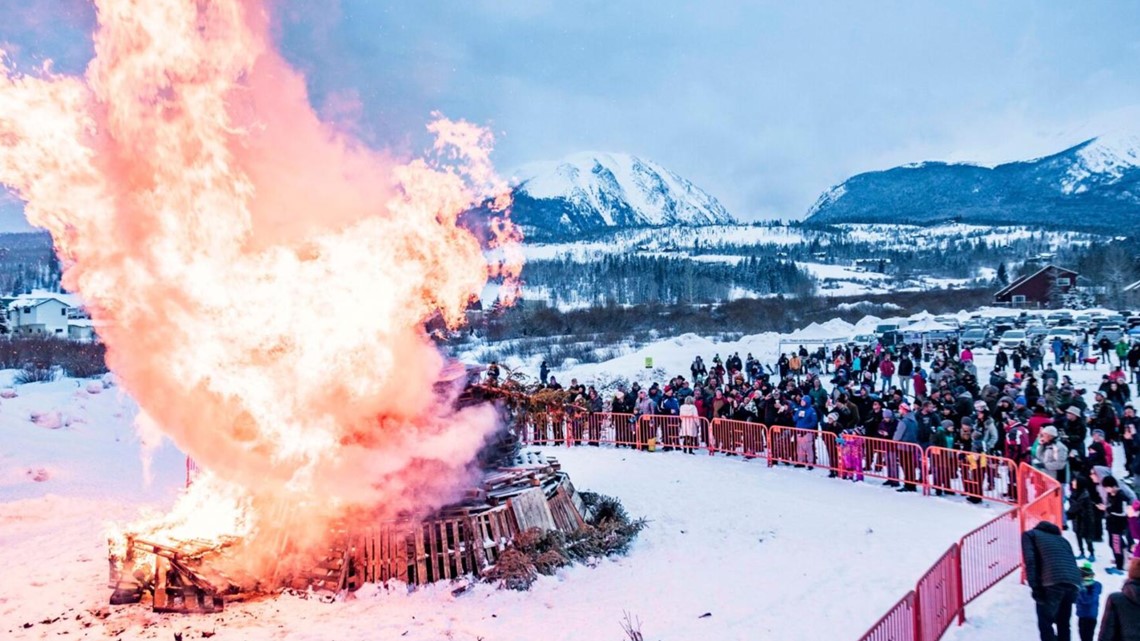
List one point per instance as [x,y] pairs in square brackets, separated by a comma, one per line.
[1002,276]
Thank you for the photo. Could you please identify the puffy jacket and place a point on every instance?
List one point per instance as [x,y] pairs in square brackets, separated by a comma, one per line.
[806,418]
[1088,601]
[887,369]
[1048,558]
[907,430]
[1121,620]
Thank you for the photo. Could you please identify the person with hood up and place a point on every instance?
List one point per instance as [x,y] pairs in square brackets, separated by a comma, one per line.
[806,419]
[1121,620]
[1053,578]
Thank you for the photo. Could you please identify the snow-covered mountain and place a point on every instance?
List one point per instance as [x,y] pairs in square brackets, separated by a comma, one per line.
[1093,186]
[590,191]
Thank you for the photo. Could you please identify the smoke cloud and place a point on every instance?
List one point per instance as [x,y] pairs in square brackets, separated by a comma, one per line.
[262,279]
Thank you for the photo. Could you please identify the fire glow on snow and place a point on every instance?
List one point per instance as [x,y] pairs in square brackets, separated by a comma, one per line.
[261,280]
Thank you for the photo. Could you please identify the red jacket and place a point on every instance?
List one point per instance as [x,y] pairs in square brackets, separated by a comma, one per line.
[1036,422]
[919,385]
[887,368]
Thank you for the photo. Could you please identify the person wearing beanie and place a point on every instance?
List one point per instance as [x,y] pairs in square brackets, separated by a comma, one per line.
[1050,454]
[1100,452]
[1088,602]
[1121,621]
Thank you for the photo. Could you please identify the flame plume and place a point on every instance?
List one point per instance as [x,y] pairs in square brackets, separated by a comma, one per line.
[261,280]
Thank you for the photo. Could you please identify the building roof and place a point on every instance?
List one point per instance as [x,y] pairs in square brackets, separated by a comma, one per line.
[1024,279]
[39,297]
[1133,287]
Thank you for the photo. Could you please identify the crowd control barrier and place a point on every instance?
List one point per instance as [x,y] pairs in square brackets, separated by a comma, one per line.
[983,476]
[975,564]
[742,438]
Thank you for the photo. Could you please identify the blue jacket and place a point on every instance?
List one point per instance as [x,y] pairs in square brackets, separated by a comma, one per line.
[1088,601]
[806,418]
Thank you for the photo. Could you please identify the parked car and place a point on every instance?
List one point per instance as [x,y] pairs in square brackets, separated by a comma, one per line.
[1133,321]
[1014,338]
[952,321]
[976,337]
[883,328]
[1066,334]
[1034,334]
[863,341]
[999,329]
[1112,332]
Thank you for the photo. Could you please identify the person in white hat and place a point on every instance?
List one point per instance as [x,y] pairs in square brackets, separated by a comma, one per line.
[1050,454]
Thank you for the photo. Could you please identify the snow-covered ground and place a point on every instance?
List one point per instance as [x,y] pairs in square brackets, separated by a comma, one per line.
[766,552]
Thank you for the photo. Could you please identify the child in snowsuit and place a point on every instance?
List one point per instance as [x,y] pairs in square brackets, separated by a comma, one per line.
[1088,602]
[850,444]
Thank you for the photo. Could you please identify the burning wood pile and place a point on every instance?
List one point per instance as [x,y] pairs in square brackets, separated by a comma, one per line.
[460,540]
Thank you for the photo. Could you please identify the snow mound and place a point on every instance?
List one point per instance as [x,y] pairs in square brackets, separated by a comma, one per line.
[95,387]
[50,420]
[8,392]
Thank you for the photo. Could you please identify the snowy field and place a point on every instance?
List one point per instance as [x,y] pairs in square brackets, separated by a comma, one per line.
[766,552]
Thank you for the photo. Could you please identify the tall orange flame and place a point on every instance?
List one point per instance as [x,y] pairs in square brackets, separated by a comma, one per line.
[261,279]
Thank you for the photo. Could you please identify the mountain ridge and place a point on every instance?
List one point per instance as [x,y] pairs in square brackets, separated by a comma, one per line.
[588,191]
[1091,186]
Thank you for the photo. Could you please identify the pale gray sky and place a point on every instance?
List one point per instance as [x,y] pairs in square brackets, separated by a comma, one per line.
[764,104]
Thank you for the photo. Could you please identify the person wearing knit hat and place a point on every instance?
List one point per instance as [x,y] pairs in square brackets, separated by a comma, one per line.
[1088,602]
[1074,410]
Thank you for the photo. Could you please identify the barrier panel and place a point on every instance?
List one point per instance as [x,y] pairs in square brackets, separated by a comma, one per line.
[813,448]
[939,595]
[610,428]
[989,554]
[546,428]
[658,432]
[898,624]
[1042,497]
[981,476]
[738,437]
[886,459]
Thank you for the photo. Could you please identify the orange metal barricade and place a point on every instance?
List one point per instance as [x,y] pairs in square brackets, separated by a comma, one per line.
[608,428]
[812,448]
[886,459]
[738,437]
[1042,497]
[992,478]
[898,624]
[989,554]
[658,432]
[939,595]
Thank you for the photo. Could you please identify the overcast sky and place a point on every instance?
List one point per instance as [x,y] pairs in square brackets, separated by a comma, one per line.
[764,105]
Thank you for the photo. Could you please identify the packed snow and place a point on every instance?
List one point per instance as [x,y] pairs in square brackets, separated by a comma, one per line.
[734,549]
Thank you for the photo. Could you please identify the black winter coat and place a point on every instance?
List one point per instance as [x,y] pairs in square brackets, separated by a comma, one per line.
[1121,620]
[1088,523]
[1048,557]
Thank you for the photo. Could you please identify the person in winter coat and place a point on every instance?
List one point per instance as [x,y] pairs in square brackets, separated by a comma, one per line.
[1053,578]
[1121,620]
[886,373]
[1088,602]
[806,419]
[1100,452]
[907,432]
[1050,454]
[850,446]
[690,425]
[1116,522]
[1085,514]
[905,372]
[1075,430]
